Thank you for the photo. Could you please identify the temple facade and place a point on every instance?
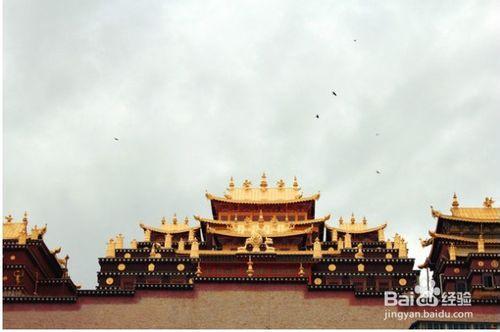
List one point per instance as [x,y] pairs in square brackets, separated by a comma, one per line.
[262,247]
[260,234]
[465,251]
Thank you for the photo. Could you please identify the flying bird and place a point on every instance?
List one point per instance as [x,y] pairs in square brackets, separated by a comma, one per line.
[377,134]
[378,172]
[333,92]
[317,116]
[355,40]
[116,139]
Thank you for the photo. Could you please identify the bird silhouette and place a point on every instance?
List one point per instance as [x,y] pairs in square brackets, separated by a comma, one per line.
[317,116]
[377,134]
[378,172]
[116,139]
[355,40]
[333,92]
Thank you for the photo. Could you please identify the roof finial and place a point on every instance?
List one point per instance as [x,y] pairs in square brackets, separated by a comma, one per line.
[231,183]
[25,218]
[280,184]
[174,219]
[263,182]
[353,220]
[364,221]
[341,221]
[8,218]
[295,183]
[163,220]
[488,202]
[455,201]
[247,184]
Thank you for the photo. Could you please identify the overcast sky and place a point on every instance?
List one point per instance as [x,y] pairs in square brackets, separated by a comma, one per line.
[197,92]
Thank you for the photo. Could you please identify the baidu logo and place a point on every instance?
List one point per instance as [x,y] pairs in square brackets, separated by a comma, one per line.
[427,297]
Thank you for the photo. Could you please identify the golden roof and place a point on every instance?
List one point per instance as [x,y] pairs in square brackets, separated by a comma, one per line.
[462,238]
[266,229]
[173,227]
[487,213]
[263,194]
[224,222]
[13,230]
[354,227]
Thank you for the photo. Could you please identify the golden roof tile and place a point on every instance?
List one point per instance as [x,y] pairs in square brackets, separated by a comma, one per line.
[487,213]
[174,227]
[232,222]
[462,238]
[266,229]
[262,194]
[354,227]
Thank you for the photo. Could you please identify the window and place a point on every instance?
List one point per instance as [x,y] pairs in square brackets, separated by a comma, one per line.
[488,280]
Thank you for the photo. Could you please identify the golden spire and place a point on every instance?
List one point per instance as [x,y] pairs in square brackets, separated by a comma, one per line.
[174,219]
[231,184]
[359,254]
[480,243]
[152,253]
[250,267]
[301,271]
[195,253]
[168,241]
[364,221]
[455,201]
[119,241]
[334,234]
[488,202]
[295,183]
[347,239]
[186,221]
[261,216]
[340,244]
[25,217]
[163,221]
[9,218]
[280,184]
[353,220]
[341,221]
[452,252]
[263,182]
[317,249]
[181,244]
[403,249]
[110,249]
[198,270]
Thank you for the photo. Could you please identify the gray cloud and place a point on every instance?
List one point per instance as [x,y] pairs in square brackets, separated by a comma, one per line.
[200,91]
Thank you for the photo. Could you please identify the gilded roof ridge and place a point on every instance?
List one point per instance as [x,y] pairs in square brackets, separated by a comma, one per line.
[461,238]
